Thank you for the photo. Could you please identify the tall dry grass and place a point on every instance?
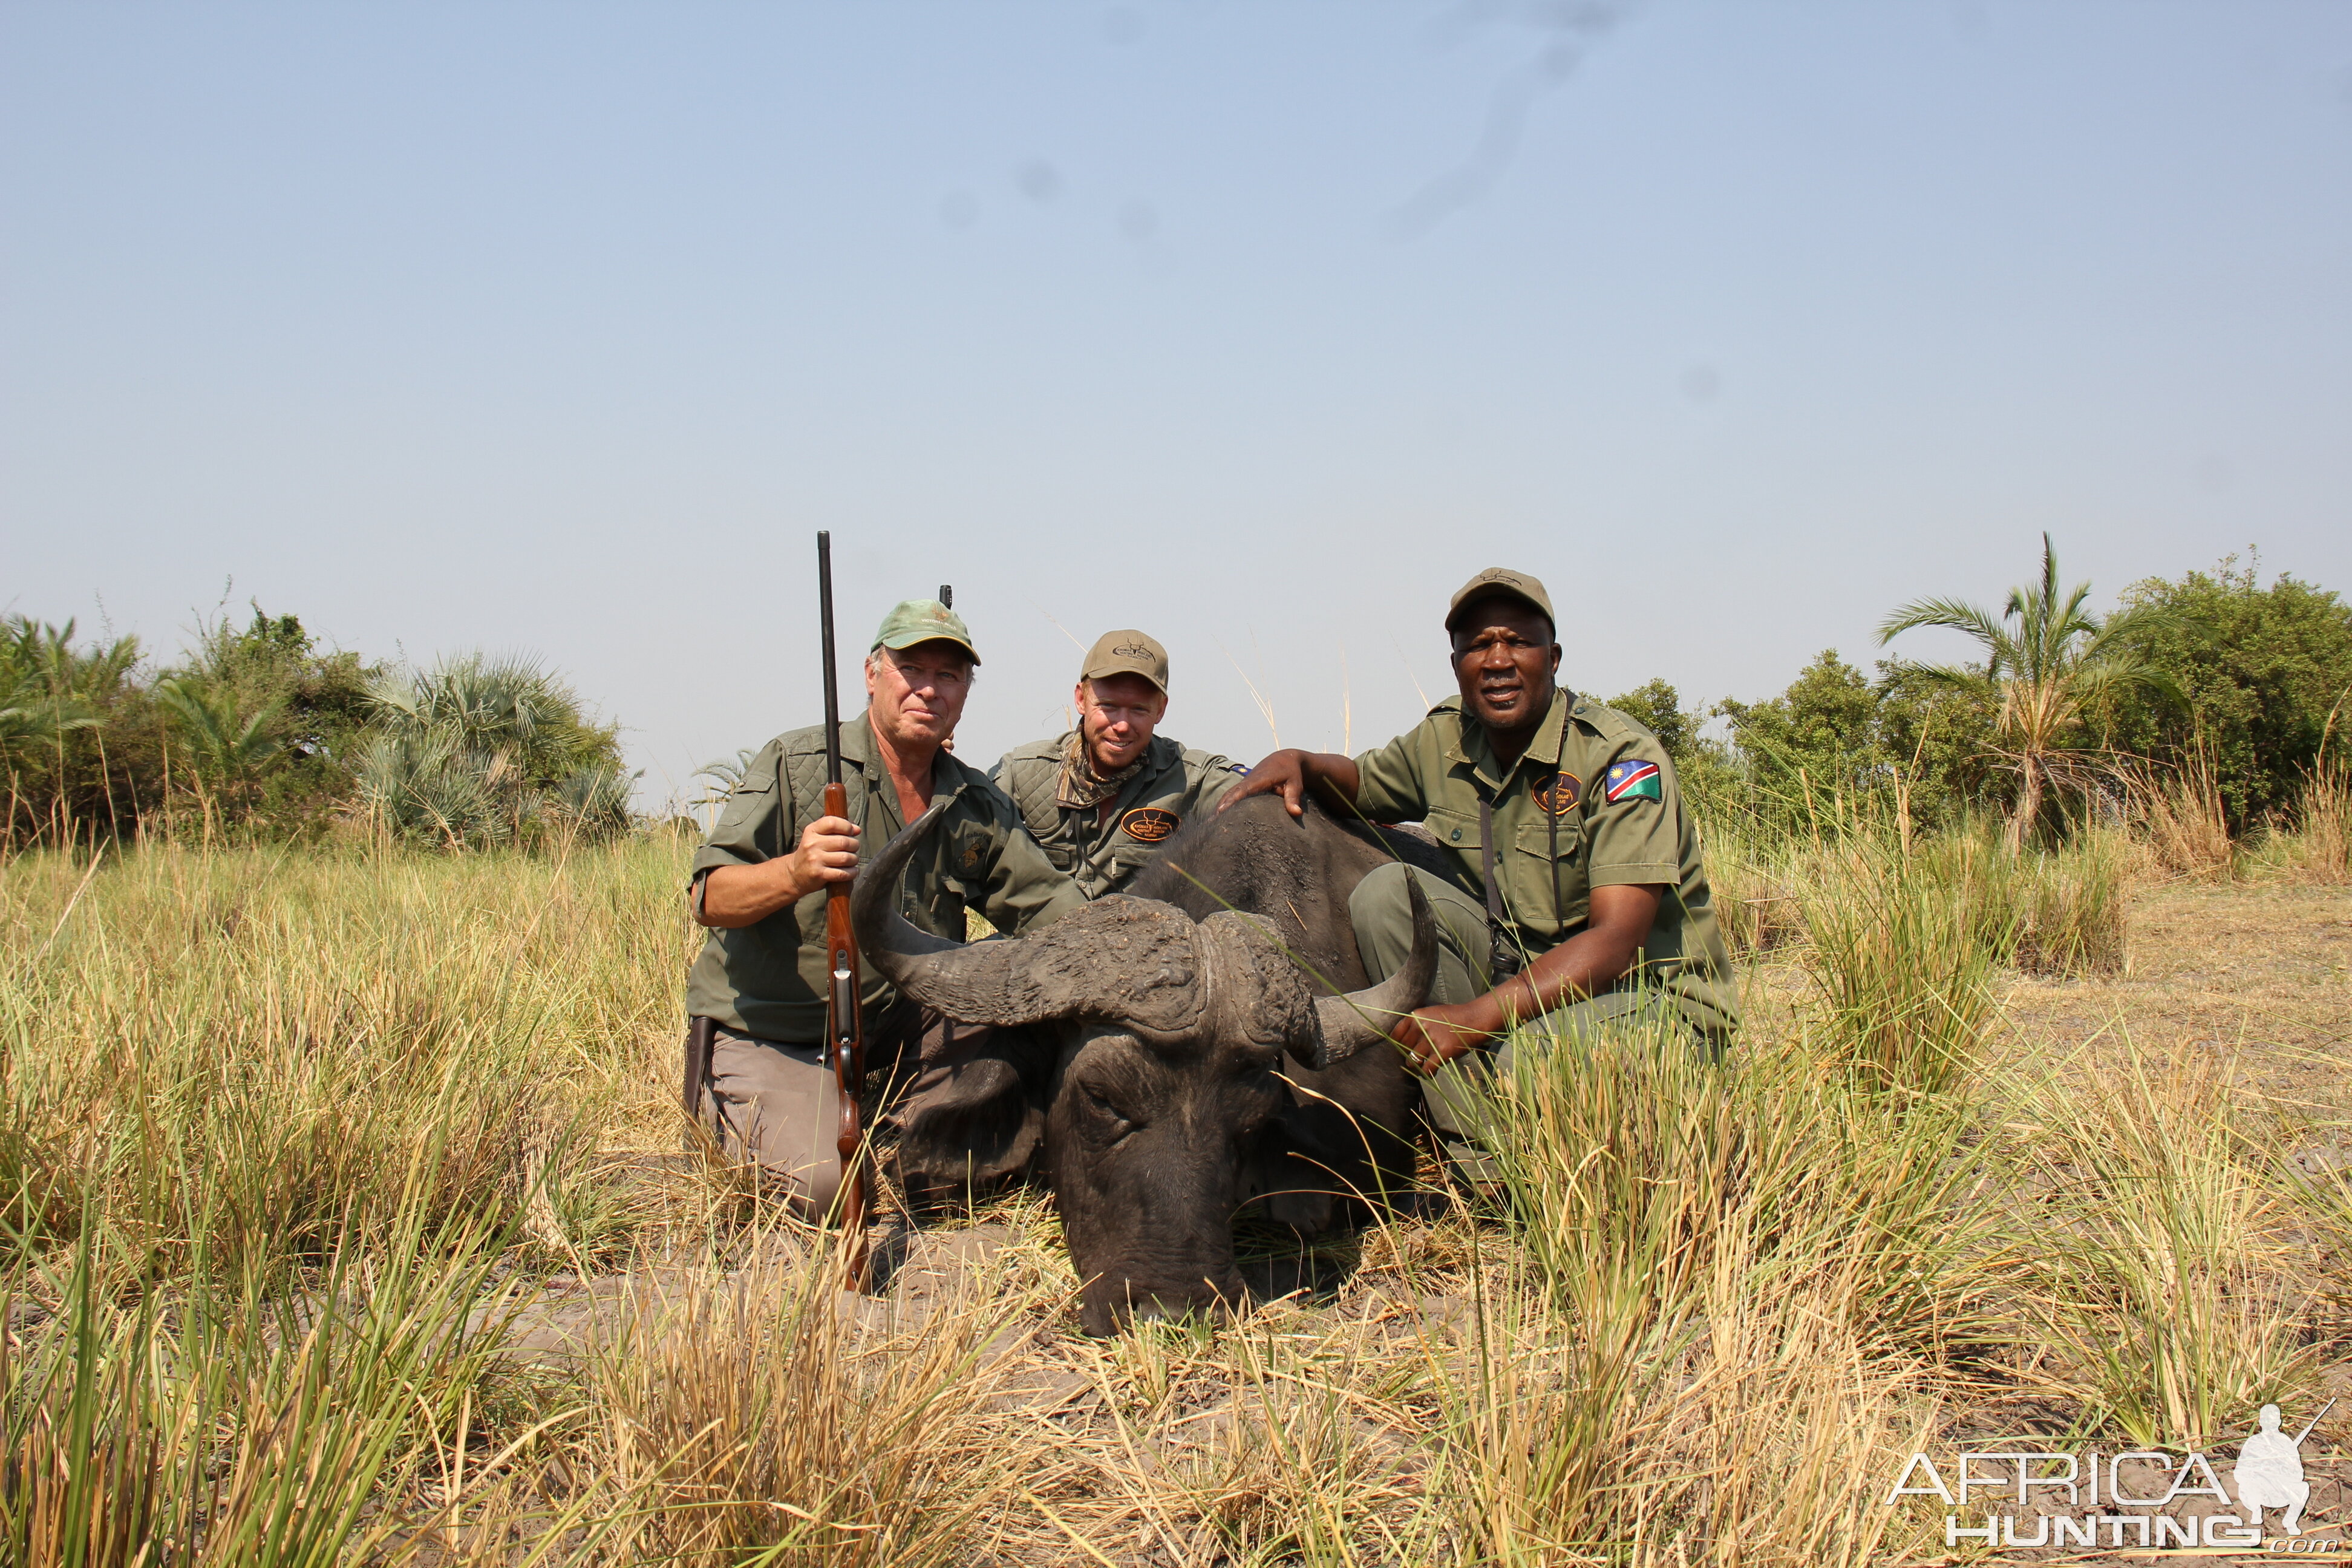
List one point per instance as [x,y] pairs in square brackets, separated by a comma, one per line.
[2181,819]
[2181,1298]
[2057,910]
[237,1055]
[343,1197]
[2315,845]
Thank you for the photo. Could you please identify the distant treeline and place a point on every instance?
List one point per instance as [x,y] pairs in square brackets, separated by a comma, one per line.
[2236,690]
[2214,683]
[259,731]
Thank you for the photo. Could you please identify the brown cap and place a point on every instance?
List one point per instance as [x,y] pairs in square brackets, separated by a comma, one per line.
[1127,653]
[1494,579]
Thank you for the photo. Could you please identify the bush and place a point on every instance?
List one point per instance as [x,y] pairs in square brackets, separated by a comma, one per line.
[259,733]
[2261,673]
[480,750]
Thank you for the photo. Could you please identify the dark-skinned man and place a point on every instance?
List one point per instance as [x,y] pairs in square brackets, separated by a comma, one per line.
[1581,896]
[764,1087]
[1102,797]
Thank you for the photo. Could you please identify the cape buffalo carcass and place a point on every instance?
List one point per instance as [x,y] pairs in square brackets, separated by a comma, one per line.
[1139,1059]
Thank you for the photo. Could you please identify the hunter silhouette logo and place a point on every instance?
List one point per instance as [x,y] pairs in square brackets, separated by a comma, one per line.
[2094,1490]
[1132,651]
[2269,1473]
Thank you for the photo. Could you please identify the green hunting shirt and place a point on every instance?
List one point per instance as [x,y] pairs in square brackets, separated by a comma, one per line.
[1557,835]
[769,979]
[1102,848]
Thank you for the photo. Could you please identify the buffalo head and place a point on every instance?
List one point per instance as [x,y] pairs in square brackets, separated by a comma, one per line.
[1168,1036]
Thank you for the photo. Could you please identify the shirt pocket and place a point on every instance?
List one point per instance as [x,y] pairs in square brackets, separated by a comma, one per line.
[1549,893]
[970,855]
[1537,837]
[1455,830]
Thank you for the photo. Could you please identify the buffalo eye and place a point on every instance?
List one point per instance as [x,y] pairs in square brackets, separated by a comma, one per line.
[1107,1121]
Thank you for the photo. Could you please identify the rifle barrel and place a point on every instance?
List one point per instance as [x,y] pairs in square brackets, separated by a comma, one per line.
[845,1035]
[832,693]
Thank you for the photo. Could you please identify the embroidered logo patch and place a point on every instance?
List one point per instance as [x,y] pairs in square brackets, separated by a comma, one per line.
[972,855]
[1149,824]
[1635,780]
[1558,793]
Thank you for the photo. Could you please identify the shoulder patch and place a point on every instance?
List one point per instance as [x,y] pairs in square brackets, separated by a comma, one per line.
[1150,824]
[1241,768]
[1558,793]
[1633,779]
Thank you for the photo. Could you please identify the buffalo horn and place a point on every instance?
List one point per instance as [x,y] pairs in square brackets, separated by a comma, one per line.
[1347,1024]
[1119,958]
[903,954]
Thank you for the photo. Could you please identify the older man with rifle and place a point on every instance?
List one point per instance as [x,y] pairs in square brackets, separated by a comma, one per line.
[758,1069]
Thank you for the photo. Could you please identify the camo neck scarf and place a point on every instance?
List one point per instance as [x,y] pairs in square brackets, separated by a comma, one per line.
[1081,786]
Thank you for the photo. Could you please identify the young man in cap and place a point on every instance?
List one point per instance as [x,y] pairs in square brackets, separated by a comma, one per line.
[1581,896]
[756,1068]
[1101,799]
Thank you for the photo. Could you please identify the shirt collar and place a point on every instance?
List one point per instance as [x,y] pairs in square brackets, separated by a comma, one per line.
[1544,750]
[857,742]
[950,774]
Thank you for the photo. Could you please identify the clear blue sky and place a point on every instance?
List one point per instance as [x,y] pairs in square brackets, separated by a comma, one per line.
[561,328]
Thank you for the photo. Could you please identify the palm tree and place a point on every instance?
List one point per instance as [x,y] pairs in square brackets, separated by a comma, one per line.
[477,750]
[223,741]
[2048,661]
[39,699]
[226,745]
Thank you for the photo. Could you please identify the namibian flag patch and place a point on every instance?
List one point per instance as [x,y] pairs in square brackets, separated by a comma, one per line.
[1635,780]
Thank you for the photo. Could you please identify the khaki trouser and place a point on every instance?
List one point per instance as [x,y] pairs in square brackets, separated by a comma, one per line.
[776,1103]
[1458,1100]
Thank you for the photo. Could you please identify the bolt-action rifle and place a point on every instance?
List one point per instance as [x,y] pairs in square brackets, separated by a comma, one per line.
[845,1034]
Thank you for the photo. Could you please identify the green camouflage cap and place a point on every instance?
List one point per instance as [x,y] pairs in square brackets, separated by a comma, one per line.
[912,621]
[1495,580]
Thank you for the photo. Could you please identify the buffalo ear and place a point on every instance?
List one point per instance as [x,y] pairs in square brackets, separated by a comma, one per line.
[967,1128]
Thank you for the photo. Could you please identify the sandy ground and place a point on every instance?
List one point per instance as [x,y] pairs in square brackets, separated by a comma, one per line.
[2260,973]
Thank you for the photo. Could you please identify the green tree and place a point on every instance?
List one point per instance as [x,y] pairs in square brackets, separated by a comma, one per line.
[226,745]
[315,711]
[1937,743]
[69,770]
[1702,767]
[2049,664]
[2263,676]
[1813,747]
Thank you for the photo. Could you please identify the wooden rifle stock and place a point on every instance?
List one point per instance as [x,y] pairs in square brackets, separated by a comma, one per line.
[845,1032]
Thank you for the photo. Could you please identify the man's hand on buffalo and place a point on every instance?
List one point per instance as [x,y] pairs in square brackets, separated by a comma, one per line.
[738,896]
[1584,966]
[1431,1036]
[1290,774]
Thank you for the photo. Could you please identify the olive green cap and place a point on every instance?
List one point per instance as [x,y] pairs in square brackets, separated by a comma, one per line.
[911,621]
[1126,652]
[1510,584]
